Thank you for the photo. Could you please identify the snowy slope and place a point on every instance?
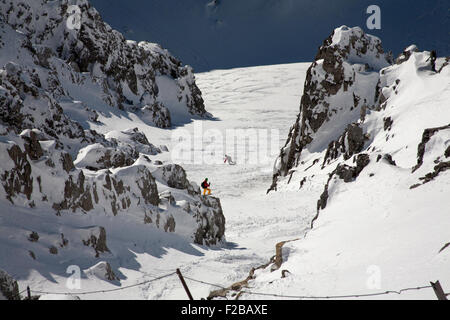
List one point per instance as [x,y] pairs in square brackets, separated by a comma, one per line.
[88,181]
[73,195]
[382,218]
[252,96]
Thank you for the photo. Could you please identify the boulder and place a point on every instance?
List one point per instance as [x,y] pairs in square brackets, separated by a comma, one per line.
[9,290]
[103,271]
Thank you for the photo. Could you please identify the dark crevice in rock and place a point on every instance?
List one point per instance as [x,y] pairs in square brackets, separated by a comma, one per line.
[347,174]
[426,136]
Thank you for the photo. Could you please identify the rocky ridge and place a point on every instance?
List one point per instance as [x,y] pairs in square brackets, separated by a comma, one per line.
[54,82]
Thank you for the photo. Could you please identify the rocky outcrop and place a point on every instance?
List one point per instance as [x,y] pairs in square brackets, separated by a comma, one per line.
[55,81]
[426,137]
[351,112]
[103,271]
[347,57]
[126,71]
[211,230]
[130,187]
[350,173]
[9,289]
[96,238]
[18,179]
[174,175]
[59,60]
[157,114]
[437,159]
[351,142]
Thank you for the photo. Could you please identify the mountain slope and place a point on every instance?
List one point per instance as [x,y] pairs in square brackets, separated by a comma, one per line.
[70,194]
[381,151]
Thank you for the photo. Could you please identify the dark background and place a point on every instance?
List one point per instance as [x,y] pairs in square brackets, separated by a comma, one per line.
[210,34]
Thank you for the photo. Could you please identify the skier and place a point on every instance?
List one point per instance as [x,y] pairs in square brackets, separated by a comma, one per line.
[230,161]
[205,186]
[432,59]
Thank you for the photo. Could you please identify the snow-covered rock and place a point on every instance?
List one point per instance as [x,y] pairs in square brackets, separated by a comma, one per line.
[47,59]
[9,290]
[55,83]
[340,86]
[376,136]
[103,271]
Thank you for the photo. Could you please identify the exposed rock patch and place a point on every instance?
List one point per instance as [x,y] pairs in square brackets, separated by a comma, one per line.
[8,287]
[426,136]
[96,239]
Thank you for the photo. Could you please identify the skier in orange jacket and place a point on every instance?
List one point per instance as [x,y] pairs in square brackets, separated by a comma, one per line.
[205,186]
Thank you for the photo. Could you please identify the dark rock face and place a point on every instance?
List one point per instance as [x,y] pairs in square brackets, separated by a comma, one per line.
[139,137]
[66,161]
[147,185]
[53,250]
[441,167]
[441,163]
[33,237]
[32,146]
[115,159]
[170,225]
[348,173]
[351,142]
[388,158]
[213,230]
[110,275]
[76,195]
[97,240]
[346,54]
[8,287]
[426,136]
[18,180]
[158,114]
[355,138]
[175,176]
[387,123]
[53,158]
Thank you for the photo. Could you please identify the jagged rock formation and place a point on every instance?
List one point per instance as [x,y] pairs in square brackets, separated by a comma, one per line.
[9,290]
[55,82]
[31,168]
[441,160]
[369,156]
[103,271]
[333,94]
[131,76]
[347,116]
